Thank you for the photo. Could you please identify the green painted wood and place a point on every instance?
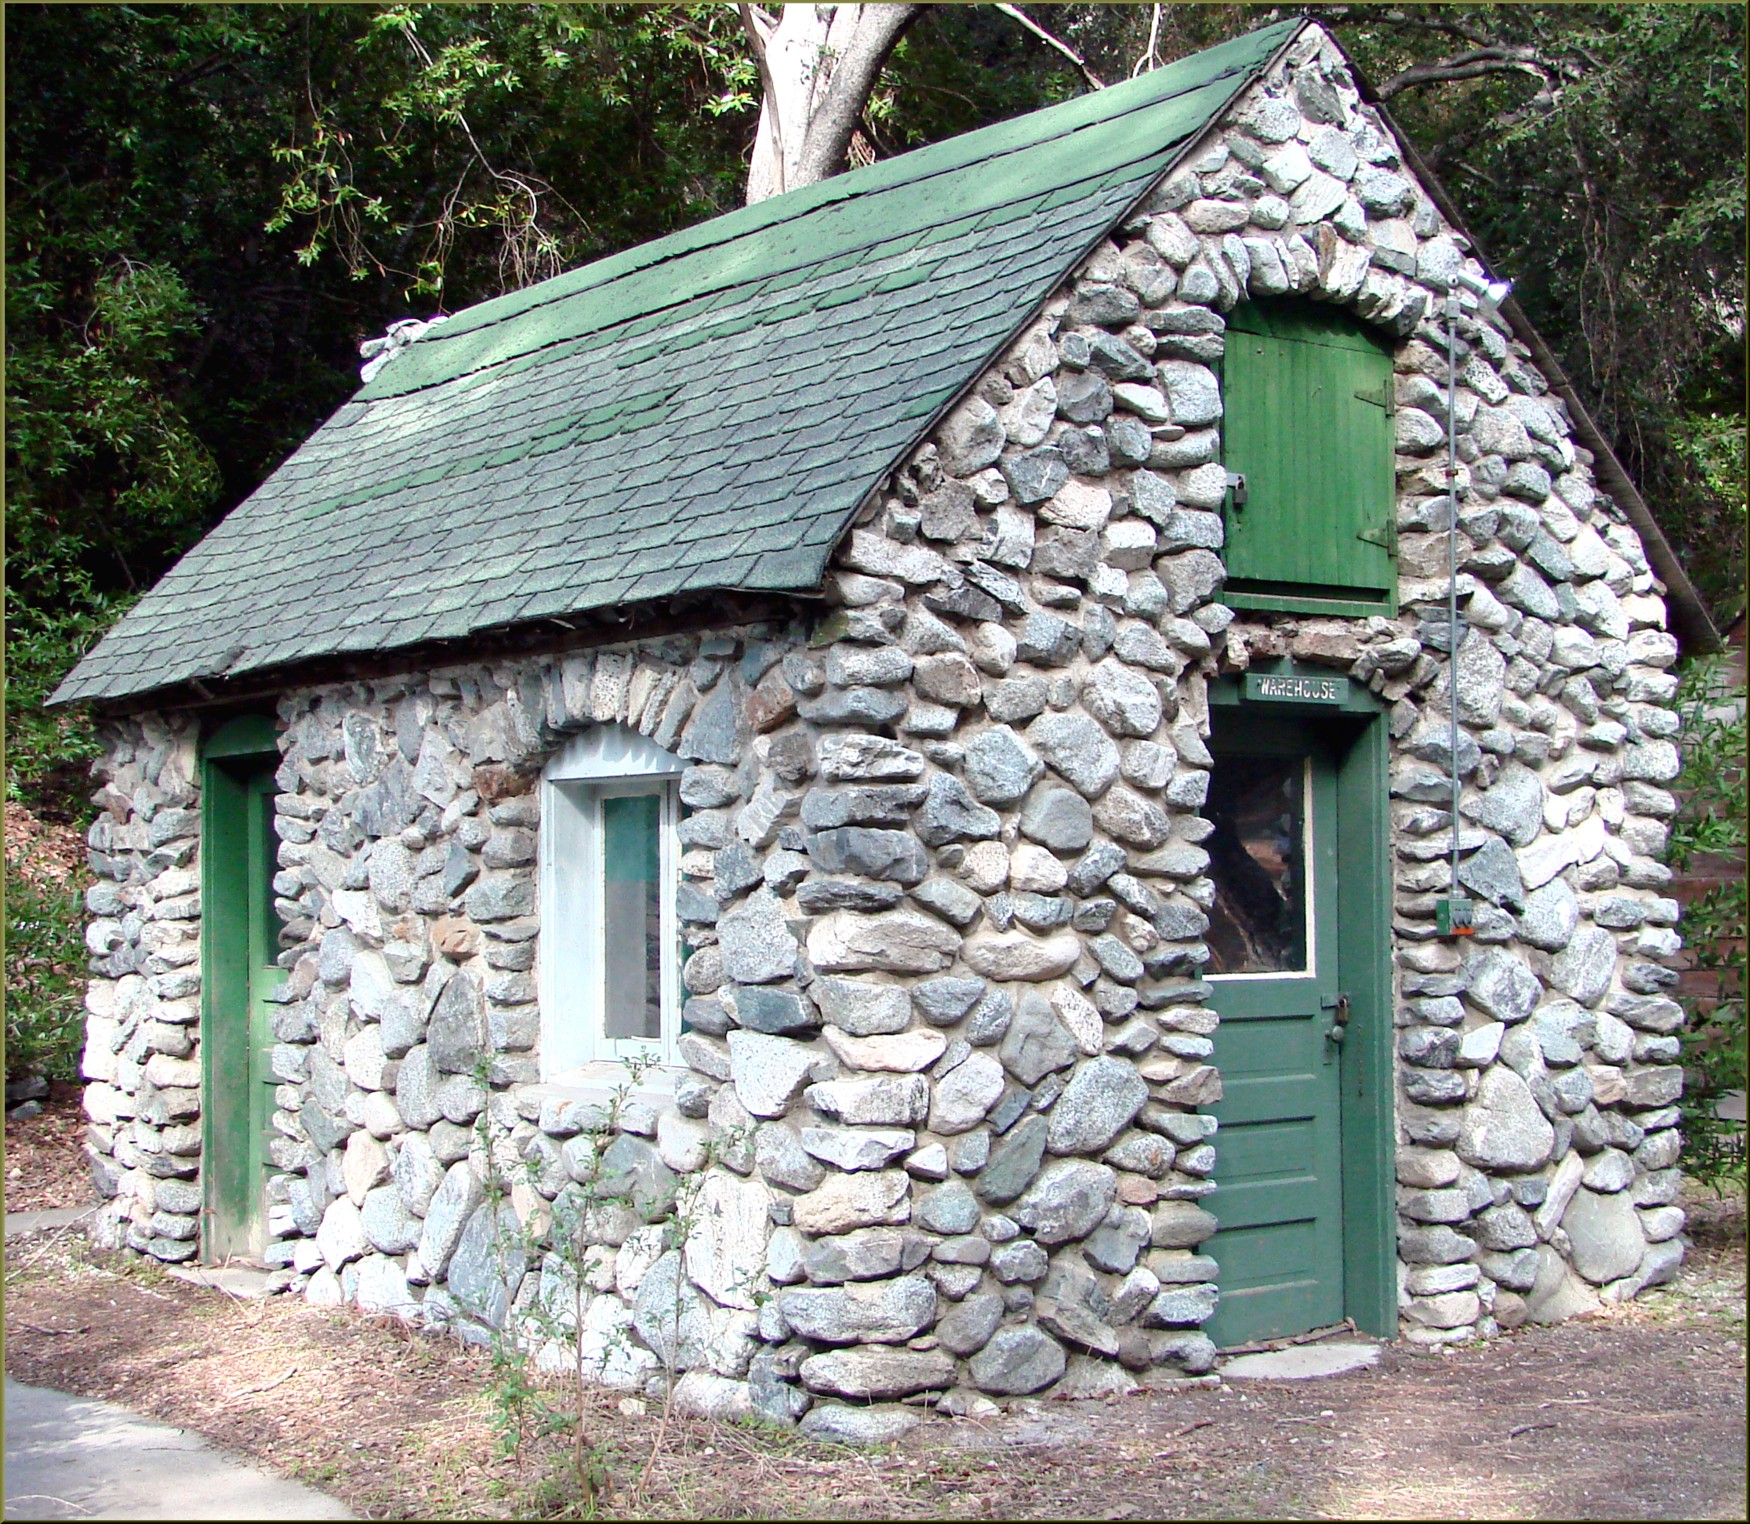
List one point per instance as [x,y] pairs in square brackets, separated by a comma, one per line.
[1318,460]
[1275,1139]
[1279,1170]
[239,945]
[1369,1139]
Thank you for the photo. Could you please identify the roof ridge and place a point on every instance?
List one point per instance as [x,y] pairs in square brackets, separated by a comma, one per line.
[956,153]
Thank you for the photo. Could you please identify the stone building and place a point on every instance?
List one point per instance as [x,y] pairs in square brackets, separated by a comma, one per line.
[886,762]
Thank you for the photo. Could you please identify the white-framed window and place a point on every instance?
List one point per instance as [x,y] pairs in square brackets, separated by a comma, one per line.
[610,939]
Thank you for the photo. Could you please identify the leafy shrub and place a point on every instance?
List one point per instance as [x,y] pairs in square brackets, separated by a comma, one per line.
[1711,824]
[45,974]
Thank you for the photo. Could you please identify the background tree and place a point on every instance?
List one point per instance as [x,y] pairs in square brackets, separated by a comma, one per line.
[209,207]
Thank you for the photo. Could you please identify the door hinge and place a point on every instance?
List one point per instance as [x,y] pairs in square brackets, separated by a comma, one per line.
[1386,537]
[1386,397]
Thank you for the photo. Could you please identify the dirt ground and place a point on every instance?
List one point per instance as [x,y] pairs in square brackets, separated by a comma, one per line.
[1637,1412]
[43,1164]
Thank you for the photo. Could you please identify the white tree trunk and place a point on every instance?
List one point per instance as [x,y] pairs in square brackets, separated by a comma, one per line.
[818,65]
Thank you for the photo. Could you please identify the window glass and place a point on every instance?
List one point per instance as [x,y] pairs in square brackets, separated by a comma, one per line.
[1257,860]
[632,915]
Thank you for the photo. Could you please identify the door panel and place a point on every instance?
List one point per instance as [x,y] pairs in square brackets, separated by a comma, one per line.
[239,945]
[1279,1196]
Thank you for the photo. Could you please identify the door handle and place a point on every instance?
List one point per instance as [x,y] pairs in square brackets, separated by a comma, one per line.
[1339,1019]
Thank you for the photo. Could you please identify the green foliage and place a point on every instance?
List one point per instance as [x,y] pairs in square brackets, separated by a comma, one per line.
[1711,825]
[45,974]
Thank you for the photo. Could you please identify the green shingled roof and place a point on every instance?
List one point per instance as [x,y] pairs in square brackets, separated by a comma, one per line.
[705,412]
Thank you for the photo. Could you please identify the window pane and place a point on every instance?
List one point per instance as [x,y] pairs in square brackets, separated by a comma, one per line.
[1257,858]
[632,916]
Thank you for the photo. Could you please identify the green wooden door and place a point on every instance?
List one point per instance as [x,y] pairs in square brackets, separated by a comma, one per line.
[1274,960]
[1308,406]
[239,945]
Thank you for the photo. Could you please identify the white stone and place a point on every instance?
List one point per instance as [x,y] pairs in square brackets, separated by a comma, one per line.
[965,1094]
[900,1053]
[768,1072]
[726,1239]
[861,1200]
[1080,1015]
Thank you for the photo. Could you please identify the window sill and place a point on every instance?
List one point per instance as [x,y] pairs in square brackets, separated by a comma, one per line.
[604,1084]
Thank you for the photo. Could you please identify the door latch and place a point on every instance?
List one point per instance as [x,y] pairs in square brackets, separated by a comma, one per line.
[1339,1018]
[1236,484]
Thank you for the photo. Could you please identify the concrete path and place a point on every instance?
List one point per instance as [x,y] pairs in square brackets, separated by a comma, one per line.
[74,1458]
[18,1223]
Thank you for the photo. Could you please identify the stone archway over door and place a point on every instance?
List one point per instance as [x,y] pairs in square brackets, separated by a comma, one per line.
[1297,976]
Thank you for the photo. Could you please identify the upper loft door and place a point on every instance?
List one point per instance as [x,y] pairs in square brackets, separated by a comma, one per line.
[1308,425]
[239,949]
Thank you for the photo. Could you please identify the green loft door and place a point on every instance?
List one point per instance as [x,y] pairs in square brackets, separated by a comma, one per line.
[1273,973]
[240,941]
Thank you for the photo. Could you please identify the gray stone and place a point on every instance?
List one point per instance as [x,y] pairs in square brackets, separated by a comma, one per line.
[876,1374]
[1503,1128]
[1000,766]
[965,1094]
[861,1008]
[457,1035]
[1017,1360]
[889,1100]
[1499,984]
[950,1209]
[387,1223]
[1035,475]
[1037,1042]
[949,813]
[671,1317]
[874,1312]
[1019,1261]
[965,1329]
[1120,698]
[838,1424]
[1078,750]
[769,1072]
[1513,805]
[898,941]
[1014,1162]
[776,1012]
[1605,1231]
[863,1254]
[1583,970]
[954,902]
[1058,818]
[857,1148]
[1015,698]
[1550,916]
[943,1001]
[1492,872]
[971,437]
[781,1159]
[894,855]
[756,942]
[488,1264]
[1066,1201]
[1097,1104]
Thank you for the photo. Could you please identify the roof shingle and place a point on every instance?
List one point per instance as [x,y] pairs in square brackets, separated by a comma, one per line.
[701,413]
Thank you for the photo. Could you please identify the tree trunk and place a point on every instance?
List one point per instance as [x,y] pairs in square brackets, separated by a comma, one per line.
[818,65]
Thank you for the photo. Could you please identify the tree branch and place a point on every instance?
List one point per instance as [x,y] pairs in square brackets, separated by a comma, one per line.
[756,43]
[1017,14]
[1467,65]
[854,72]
